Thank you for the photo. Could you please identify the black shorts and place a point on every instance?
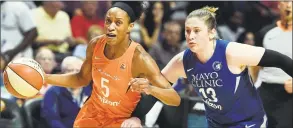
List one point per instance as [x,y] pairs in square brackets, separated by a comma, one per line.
[277,104]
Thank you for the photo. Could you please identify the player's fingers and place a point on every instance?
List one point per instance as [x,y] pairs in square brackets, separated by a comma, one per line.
[129,125]
[140,83]
[131,81]
[123,124]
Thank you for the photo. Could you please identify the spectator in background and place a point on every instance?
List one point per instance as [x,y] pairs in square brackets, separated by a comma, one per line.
[18,31]
[232,29]
[150,27]
[61,105]
[163,52]
[81,23]
[247,38]
[53,27]
[275,85]
[80,49]
[46,58]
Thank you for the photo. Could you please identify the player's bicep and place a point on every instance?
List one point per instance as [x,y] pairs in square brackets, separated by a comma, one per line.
[151,71]
[243,54]
[174,69]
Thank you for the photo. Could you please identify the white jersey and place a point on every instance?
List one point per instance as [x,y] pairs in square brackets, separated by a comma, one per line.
[281,41]
[16,19]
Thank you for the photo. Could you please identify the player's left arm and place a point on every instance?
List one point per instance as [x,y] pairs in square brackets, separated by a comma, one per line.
[145,67]
[247,55]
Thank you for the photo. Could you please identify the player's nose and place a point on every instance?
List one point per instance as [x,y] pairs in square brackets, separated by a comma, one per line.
[111,27]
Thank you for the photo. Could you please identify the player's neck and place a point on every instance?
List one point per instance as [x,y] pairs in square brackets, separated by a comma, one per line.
[116,51]
[205,54]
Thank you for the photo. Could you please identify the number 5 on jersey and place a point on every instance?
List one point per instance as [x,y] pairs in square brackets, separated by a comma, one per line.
[104,83]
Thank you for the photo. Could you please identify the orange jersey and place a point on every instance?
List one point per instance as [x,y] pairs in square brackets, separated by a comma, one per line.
[109,103]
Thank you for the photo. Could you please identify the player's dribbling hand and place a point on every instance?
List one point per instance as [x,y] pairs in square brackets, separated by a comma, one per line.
[288,86]
[140,85]
[132,122]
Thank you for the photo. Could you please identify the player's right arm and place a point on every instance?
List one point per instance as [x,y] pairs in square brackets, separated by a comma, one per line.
[79,79]
[174,69]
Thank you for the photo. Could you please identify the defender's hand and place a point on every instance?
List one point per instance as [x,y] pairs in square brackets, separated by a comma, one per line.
[140,85]
[288,86]
[132,122]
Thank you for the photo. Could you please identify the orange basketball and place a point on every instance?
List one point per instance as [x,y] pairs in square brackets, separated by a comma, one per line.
[23,78]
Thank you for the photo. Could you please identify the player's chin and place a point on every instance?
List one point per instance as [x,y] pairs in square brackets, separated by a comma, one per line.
[111,41]
[193,48]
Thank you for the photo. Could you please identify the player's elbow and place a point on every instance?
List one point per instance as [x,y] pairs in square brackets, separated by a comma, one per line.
[177,101]
[82,81]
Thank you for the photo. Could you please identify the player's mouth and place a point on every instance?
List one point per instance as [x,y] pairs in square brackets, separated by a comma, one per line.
[110,35]
[192,44]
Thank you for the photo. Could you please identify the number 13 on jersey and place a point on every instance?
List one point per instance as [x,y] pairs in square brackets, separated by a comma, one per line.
[211,92]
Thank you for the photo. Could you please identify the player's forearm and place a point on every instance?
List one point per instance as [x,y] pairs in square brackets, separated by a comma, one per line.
[66,80]
[167,96]
[272,58]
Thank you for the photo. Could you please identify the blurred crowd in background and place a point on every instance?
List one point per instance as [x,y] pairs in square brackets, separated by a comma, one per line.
[56,34]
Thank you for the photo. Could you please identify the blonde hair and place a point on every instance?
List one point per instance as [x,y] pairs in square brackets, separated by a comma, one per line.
[207,14]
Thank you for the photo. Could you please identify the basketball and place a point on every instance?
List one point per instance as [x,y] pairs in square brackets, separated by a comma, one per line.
[23,78]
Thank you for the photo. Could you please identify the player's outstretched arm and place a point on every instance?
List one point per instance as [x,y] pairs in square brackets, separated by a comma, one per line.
[145,67]
[247,55]
[82,78]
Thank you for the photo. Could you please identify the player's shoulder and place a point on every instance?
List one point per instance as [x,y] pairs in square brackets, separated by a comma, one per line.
[180,56]
[97,40]
[139,52]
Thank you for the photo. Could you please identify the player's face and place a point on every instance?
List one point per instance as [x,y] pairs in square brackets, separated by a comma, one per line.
[117,25]
[196,34]
[286,9]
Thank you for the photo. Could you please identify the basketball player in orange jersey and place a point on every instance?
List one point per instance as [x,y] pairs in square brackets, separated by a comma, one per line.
[112,60]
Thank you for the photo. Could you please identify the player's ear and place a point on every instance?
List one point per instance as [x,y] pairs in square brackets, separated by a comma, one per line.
[212,33]
[131,25]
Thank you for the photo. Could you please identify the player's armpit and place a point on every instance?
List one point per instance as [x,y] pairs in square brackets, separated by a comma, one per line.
[145,66]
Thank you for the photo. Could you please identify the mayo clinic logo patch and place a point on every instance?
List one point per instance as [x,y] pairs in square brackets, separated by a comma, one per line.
[217,66]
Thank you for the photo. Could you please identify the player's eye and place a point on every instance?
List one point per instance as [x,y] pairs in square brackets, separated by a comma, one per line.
[187,31]
[108,21]
[196,30]
[118,23]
